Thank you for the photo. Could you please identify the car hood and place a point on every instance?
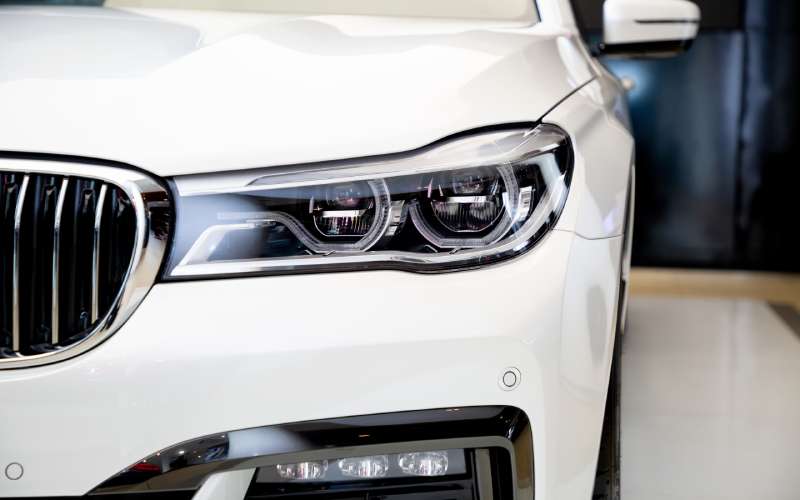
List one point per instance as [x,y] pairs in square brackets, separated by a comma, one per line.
[178,92]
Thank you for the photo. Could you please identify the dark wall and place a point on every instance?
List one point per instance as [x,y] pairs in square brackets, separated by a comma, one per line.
[717,14]
[717,140]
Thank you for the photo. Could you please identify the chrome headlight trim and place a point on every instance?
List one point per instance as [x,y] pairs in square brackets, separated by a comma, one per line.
[148,198]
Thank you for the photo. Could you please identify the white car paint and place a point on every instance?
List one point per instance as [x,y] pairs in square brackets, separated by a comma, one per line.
[512,10]
[143,389]
[164,90]
[177,93]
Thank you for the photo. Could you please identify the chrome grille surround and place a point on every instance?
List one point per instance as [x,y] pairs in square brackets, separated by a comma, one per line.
[151,207]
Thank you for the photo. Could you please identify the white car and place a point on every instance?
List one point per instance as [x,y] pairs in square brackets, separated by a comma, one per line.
[317,249]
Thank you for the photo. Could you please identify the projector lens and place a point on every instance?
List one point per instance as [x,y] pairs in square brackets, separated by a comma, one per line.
[425,463]
[466,201]
[344,210]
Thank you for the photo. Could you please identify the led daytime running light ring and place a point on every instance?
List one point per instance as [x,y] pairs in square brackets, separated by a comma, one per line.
[383,206]
[511,198]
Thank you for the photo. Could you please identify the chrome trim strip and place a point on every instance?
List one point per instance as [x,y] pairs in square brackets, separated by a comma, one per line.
[98,221]
[151,205]
[15,333]
[54,309]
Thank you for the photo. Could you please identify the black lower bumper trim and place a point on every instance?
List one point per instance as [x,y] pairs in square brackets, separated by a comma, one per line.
[185,466]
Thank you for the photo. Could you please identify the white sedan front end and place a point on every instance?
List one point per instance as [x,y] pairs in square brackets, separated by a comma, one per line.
[453,303]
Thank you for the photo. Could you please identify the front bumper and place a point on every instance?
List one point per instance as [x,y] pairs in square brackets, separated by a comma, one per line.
[204,357]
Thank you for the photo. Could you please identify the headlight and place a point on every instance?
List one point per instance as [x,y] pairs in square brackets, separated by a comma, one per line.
[459,203]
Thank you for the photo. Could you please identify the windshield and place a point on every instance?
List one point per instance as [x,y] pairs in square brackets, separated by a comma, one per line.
[523,11]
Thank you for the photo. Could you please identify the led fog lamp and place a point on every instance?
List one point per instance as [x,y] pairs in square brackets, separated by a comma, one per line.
[459,203]
[371,467]
[365,467]
[303,471]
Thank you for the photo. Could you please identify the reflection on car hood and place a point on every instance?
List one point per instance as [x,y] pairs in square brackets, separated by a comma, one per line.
[180,92]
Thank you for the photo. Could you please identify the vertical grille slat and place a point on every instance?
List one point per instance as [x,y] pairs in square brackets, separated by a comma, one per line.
[117,218]
[15,266]
[54,276]
[60,270]
[76,294]
[36,263]
[98,221]
[9,189]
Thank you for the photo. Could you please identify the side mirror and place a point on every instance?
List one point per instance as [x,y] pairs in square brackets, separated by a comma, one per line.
[648,28]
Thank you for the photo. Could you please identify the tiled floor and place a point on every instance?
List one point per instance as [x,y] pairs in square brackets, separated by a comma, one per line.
[710,401]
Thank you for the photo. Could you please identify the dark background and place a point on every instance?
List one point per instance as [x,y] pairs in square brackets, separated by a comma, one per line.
[717,148]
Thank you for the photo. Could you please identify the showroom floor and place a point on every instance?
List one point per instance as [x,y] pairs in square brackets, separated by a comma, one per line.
[711,391]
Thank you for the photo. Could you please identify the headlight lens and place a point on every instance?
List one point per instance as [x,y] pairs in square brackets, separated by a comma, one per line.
[459,203]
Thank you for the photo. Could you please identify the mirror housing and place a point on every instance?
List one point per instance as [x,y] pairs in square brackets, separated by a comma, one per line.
[648,28]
